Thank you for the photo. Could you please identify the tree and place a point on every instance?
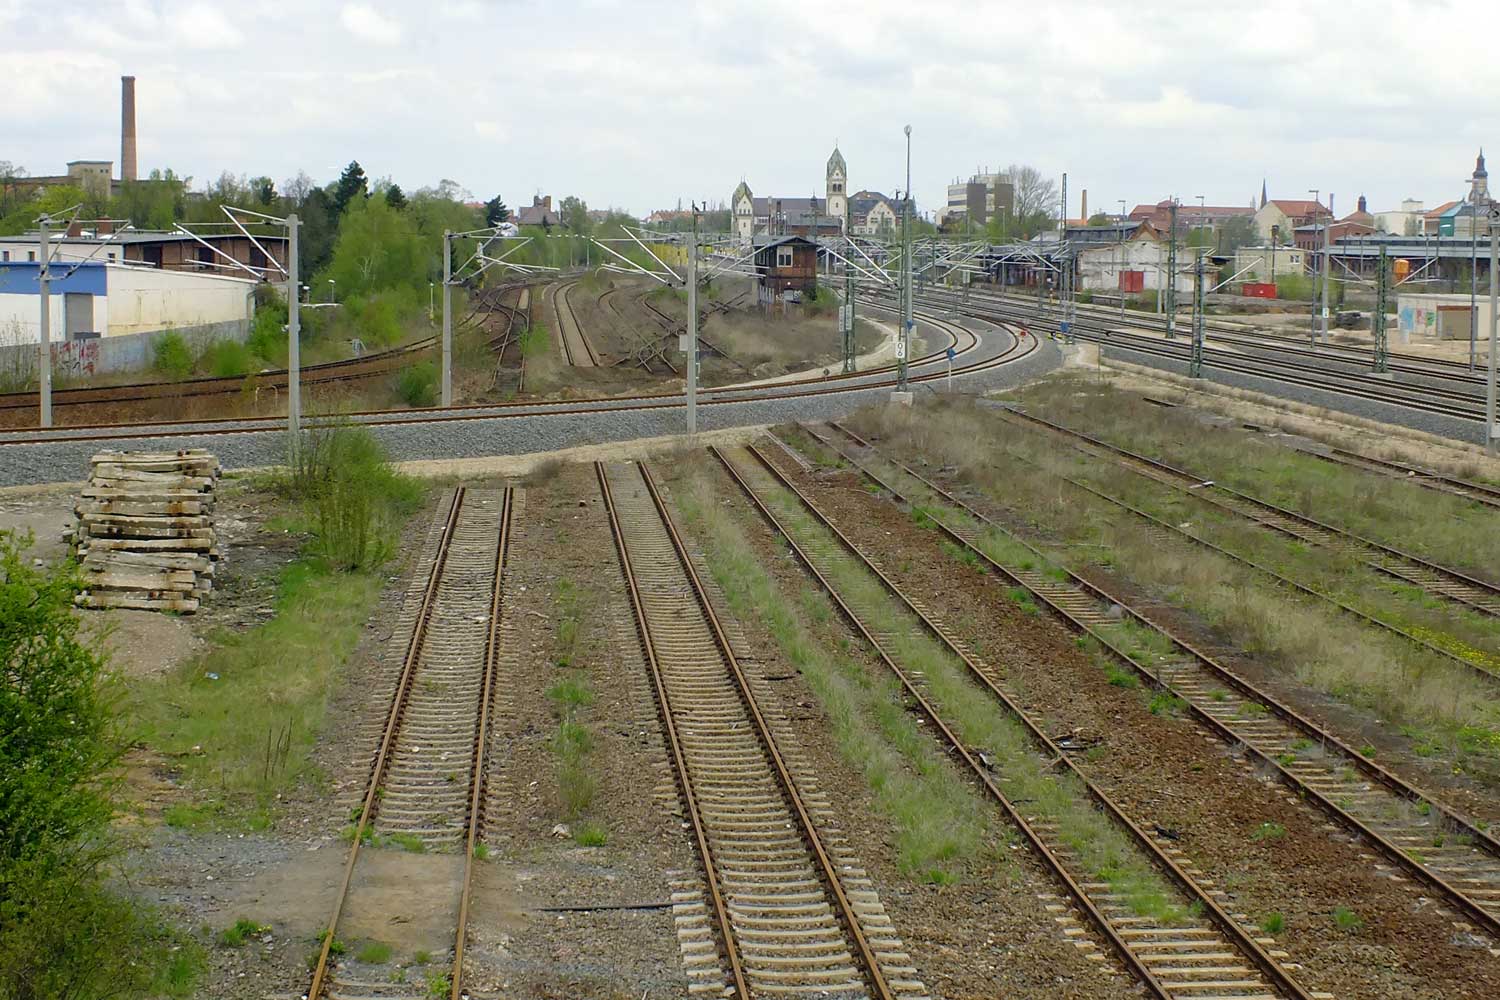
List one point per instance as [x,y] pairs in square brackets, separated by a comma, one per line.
[12,193]
[395,198]
[351,183]
[495,211]
[319,230]
[1099,219]
[264,190]
[378,248]
[1035,199]
[1235,232]
[574,213]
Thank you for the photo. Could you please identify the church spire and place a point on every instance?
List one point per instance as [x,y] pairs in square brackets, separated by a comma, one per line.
[1262,192]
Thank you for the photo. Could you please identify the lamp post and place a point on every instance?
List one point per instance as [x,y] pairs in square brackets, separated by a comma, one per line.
[330,289]
[1312,311]
[431,306]
[44,342]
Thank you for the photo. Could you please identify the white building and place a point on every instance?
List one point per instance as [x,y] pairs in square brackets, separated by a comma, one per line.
[1268,263]
[1407,221]
[105,317]
[751,216]
[1131,257]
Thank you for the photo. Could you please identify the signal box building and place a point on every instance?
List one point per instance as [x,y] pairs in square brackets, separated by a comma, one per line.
[785,264]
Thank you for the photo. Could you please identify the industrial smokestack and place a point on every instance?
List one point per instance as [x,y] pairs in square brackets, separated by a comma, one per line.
[127,128]
[1083,210]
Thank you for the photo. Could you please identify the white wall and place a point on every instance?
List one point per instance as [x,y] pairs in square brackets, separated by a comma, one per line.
[147,299]
[1099,267]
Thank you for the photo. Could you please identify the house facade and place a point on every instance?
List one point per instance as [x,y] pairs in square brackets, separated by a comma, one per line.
[1281,217]
[778,216]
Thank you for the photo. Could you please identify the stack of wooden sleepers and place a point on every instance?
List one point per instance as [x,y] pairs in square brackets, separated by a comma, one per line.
[145,530]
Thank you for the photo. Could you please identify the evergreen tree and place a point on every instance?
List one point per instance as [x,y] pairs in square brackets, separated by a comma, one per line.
[395,198]
[495,211]
[350,183]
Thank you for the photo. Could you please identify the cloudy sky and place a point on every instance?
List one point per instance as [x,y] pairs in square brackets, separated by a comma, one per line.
[638,104]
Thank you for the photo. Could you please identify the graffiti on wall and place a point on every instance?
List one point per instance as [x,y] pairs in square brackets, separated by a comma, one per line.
[75,358]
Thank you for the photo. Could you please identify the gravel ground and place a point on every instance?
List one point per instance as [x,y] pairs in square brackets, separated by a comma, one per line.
[1433,423]
[474,433]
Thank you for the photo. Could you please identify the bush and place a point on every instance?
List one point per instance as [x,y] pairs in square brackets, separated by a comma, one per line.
[171,357]
[267,339]
[228,358]
[418,384]
[1294,286]
[63,932]
[356,498]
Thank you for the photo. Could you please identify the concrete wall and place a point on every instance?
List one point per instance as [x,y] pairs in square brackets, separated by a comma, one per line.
[101,355]
[1440,316]
[1099,267]
[145,300]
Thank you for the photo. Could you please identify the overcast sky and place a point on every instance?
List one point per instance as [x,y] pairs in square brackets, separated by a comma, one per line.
[639,104]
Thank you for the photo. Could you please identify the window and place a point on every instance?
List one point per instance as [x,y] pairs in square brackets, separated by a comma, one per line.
[31,255]
[838,187]
[783,256]
[4,255]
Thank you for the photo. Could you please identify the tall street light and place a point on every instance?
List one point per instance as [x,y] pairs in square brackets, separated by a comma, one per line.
[1312,310]
[1489,394]
[903,345]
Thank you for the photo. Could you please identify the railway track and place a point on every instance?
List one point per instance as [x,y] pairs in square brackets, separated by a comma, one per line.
[648,348]
[1438,581]
[426,782]
[577,351]
[1415,831]
[788,918]
[1201,950]
[272,381]
[929,368]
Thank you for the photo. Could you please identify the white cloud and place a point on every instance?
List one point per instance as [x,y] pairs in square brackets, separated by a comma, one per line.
[203,27]
[367,23]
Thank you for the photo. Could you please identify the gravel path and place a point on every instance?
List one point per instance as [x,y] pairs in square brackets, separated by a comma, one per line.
[476,433]
[1433,423]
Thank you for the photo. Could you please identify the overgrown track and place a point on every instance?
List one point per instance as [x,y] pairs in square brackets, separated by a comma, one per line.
[649,348]
[1414,830]
[1438,581]
[1212,955]
[577,350]
[437,726]
[787,918]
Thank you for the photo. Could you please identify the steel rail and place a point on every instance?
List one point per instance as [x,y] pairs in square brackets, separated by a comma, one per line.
[1479,671]
[1216,914]
[1427,479]
[182,427]
[1240,334]
[387,741]
[1387,779]
[1185,480]
[827,870]
[1023,346]
[481,743]
[981,773]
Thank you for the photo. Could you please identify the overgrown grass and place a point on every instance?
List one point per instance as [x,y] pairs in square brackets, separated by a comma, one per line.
[171,357]
[570,696]
[239,720]
[1024,774]
[417,384]
[356,498]
[1436,703]
[938,819]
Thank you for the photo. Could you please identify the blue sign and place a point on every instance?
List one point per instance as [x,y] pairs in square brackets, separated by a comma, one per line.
[1064,326]
[950,354]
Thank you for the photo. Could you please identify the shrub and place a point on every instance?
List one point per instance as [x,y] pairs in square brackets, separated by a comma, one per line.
[417,385]
[63,931]
[171,357]
[355,496]
[228,358]
[267,339]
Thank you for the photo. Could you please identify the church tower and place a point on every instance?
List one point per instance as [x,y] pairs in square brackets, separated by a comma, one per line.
[837,193]
[1479,185]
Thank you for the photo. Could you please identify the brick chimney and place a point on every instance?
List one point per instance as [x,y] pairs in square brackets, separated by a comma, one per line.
[75,229]
[547,203]
[127,128]
[104,227]
[1083,209]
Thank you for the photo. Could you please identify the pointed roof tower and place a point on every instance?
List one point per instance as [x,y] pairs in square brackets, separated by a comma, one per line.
[1262,192]
[1479,186]
[836,163]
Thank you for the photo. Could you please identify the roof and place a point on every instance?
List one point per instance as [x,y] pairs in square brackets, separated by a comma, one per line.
[134,236]
[787,205]
[1442,209]
[1297,207]
[836,162]
[766,242]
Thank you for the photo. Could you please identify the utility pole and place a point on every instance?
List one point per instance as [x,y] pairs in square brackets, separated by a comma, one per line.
[846,314]
[1065,275]
[1312,309]
[44,341]
[903,345]
[1327,263]
[293,337]
[1382,284]
[1489,394]
[1473,282]
[446,344]
[1121,269]
[691,347]
[1195,364]
[1172,270]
